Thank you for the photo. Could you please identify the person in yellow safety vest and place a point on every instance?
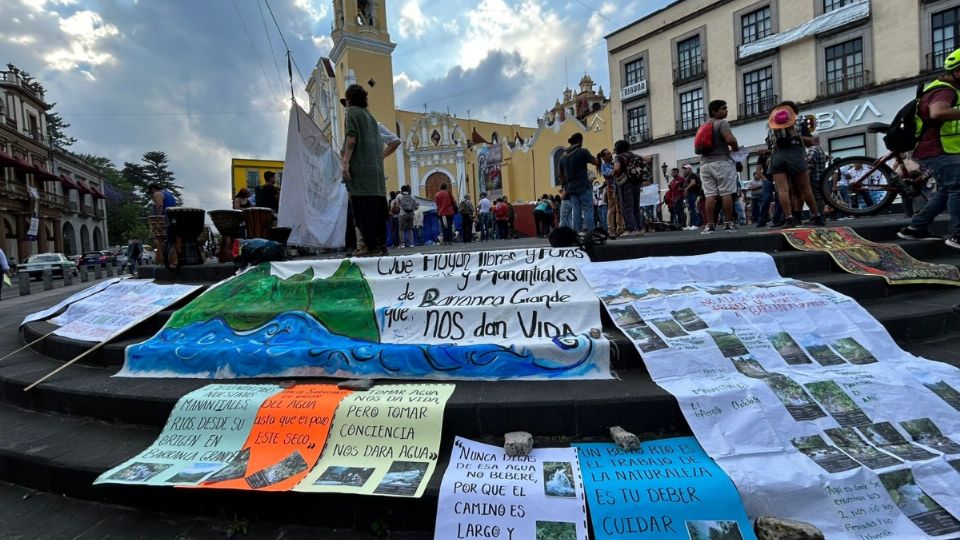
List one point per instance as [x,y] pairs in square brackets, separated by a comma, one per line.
[938,150]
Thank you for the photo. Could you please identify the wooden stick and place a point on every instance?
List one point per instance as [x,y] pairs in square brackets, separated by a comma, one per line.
[64,366]
[34,342]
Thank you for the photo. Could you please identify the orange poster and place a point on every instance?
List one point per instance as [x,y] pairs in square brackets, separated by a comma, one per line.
[288,435]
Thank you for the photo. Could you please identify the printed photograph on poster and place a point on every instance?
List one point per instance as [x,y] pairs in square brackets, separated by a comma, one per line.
[885,436]
[625,316]
[820,352]
[925,432]
[669,327]
[714,530]
[233,470]
[868,456]
[788,349]
[728,343]
[556,530]
[195,473]
[646,339]
[946,393]
[748,366]
[623,296]
[852,351]
[840,406]
[558,479]
[344,476]
[829,458]
[798,403]
[139,472]
[689,320]
[288,467]
[923,511]
[403,478]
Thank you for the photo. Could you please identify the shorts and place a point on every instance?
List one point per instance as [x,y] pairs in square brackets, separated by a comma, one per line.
[718,178]
[789,161]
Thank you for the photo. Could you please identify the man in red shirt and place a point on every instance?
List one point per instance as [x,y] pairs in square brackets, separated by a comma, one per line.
[445,210]
[501,212]
[674,198]
[939,151]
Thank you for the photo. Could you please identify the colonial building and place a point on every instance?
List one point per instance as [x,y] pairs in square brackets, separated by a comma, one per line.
[50,199]
[467,154]
[848,62]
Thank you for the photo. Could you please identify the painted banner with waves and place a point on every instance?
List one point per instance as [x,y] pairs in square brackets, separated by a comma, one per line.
[516,314]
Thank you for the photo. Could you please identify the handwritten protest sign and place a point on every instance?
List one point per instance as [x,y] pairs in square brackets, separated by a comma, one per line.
[288,434]
[487,494]
[518,314]
[796,391]
[649,195]
[75,297]
[205,431]
[384,442]
[668,488]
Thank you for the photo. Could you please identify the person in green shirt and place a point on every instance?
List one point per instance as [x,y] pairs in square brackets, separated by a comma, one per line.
[362,166]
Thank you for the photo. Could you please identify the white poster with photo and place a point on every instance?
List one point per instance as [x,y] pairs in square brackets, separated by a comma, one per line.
[487,494]
[313,200]
[774,374]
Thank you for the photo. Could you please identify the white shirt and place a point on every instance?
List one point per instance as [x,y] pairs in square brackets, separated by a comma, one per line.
[484,205]
[849,174]
[387,136]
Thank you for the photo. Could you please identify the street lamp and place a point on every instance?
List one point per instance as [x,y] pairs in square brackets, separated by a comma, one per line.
[663,167]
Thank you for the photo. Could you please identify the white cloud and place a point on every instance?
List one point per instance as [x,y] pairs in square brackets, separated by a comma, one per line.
[495,25]
[413,23]
[40,5]
[324,44]
[316,11]
[403,86]
[83,29]
[18,40]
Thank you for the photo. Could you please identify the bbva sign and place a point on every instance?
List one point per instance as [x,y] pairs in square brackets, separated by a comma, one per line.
[838,118]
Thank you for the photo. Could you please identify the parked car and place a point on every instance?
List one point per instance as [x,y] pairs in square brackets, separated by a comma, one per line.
[121,259]
[57,263]
[148,257]
[93,258]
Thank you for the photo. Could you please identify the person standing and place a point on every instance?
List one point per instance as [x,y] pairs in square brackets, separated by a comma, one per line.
[362,168]
[134,252]
[483,211]
[511,217]
[788,164]
[817,163]
[500,215]
[600,203]
[394,228]
[268,195]
[408,207]
[541,216]
[692,192]
[575,180]
[466,210]
[418,226]
[939,151]
[718,173]
[611,194]
[629,186]
[445,210]
[675,199]
[4,269]
[242,199]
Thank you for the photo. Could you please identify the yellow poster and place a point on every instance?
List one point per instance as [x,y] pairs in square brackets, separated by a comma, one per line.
[383,442]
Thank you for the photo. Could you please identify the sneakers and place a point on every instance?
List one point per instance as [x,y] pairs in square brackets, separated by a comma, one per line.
[729,227]
[909,233]
[709,229]
[789,223]
[954,241]
[816,221]
[692,228]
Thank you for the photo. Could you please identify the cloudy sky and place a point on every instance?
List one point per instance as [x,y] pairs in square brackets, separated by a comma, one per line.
[205,80]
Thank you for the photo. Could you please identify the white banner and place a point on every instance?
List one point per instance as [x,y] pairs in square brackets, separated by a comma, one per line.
[649,195]
[313,200]
[797,392]
[487,494]
[69,300]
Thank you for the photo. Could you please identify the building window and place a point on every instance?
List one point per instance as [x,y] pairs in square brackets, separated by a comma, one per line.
[758,96]
[253,178]
[946,27]
[689,58]
[691,110]
[638,126]
[851,145]
[634,72]
[830,5]
[755,25]
[844,67]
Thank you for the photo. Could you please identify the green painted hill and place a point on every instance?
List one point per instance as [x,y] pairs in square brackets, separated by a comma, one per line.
[342,303]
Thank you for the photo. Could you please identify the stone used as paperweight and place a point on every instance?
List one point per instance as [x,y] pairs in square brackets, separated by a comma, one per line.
[517,443]
[361,385]
[624,439]
[770,528]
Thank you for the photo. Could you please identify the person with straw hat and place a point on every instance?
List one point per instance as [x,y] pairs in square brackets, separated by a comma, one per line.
[788,164]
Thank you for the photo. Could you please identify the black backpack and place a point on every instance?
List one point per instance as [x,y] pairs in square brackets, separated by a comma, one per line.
[902,134]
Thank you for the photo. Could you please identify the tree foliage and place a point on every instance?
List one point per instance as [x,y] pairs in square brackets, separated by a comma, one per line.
[125,203]
[56,130]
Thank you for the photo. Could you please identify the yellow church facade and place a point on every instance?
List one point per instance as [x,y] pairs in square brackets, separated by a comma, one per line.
[469,155]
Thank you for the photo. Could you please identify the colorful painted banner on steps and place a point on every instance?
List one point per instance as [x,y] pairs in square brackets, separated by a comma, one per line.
[797,392]
[857,255]
[668,489]
[265,438]
[487,494]
[521,314]
[385,442]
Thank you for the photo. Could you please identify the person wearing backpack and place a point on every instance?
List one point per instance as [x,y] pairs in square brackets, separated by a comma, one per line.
[408,207]
[576,182]
[714,142]
[788,165]
[938,149]
[466,217]
[626,168]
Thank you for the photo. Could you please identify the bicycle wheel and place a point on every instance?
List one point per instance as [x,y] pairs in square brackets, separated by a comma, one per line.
[845,188]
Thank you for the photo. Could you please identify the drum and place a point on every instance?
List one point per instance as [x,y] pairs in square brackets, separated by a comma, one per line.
[230,225]
[258,221]
[280,234]
[158,229]
[187,225]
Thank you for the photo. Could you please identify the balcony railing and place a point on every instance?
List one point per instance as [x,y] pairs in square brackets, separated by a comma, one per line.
[87,211]
[847,83]
[688,71]
[73,206]
[758,107]
[638,137]
[636,89]
[688,125]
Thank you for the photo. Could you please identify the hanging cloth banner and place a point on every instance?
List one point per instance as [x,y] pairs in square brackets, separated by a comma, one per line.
[856,255]
[797,392]
[313,201]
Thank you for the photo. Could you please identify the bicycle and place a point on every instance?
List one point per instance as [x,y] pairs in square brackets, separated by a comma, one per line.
[862,186]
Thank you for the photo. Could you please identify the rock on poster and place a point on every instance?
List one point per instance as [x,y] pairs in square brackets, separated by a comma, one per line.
[487,494]
[519,314]
[796,391]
